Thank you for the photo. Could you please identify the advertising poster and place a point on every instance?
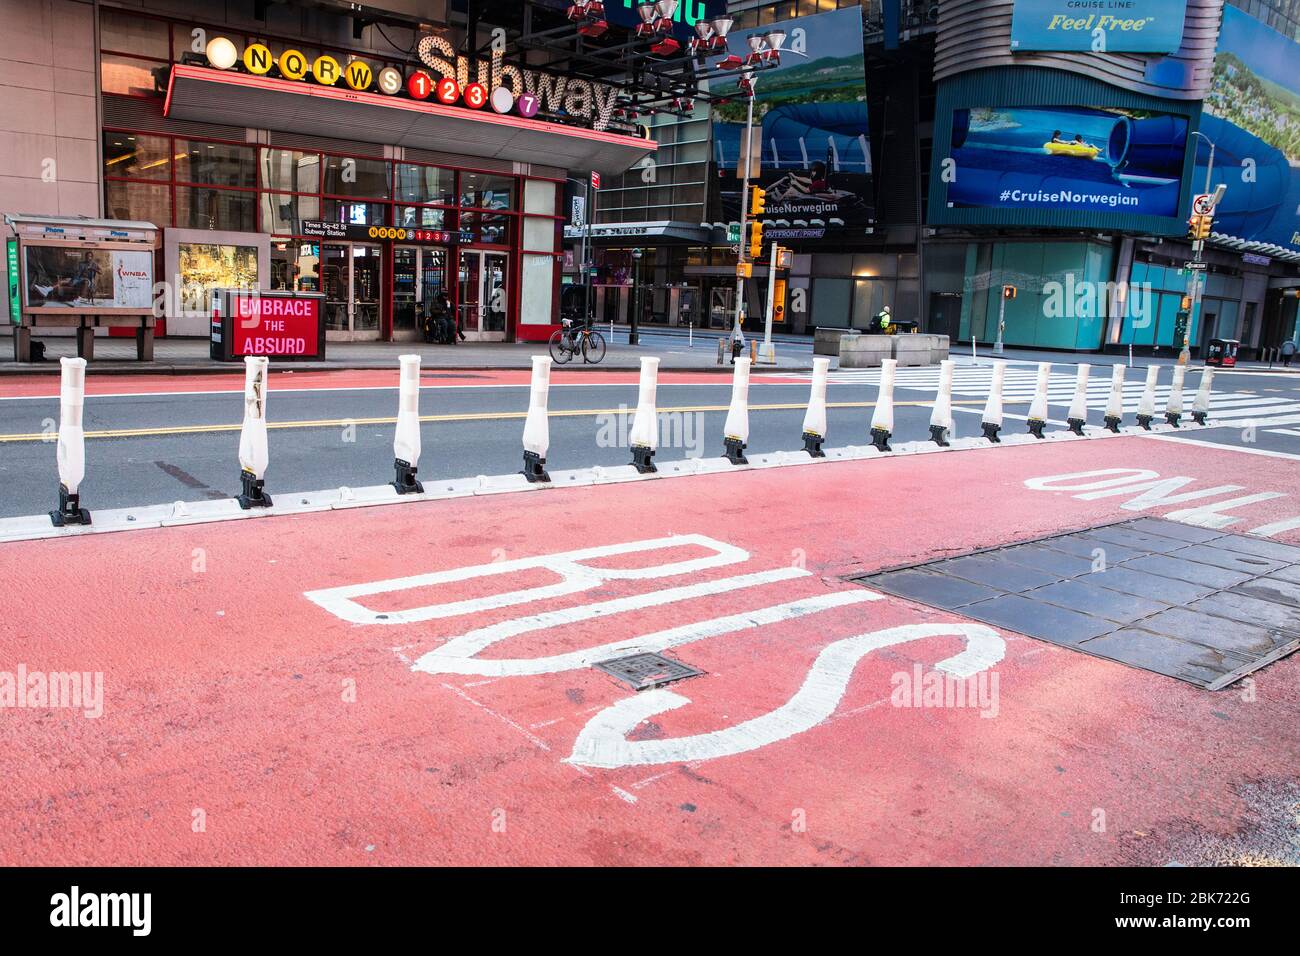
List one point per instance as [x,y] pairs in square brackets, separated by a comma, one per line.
[1095,159]
[87,280]
[1098,26]
[1252,115]
[816,160]
[275,325]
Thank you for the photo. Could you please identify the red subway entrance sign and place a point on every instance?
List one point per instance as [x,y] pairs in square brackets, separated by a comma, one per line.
[281,325]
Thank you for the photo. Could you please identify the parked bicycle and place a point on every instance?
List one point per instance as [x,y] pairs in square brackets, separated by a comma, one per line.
[566,342]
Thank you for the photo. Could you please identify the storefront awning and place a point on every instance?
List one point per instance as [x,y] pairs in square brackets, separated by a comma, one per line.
[240,99]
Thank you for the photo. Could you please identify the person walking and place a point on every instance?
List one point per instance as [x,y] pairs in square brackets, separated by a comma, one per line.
[1288,350]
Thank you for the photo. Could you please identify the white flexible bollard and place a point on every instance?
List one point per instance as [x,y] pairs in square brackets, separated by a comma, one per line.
[991,422]
[1147,403]
[1201,406]
[735,431]
[537,429]
[1038,407]
[406,439]
[882,419]
[1115,403]
[1174,403]
[644,436]
[254,456]
[941,412]
[814,419]
[70,453]
[1078,416]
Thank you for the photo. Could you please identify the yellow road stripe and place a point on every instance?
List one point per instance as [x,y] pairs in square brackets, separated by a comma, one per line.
[460,417]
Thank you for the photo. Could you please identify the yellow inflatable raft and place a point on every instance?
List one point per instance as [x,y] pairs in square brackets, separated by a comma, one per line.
[1072,149]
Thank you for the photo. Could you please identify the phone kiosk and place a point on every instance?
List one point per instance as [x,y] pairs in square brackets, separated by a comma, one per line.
[79,273]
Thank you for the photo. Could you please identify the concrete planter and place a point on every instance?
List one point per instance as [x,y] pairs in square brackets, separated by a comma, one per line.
[827,341]
[865,351]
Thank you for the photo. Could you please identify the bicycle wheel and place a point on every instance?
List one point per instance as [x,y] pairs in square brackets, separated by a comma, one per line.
[593,347]
[559,352]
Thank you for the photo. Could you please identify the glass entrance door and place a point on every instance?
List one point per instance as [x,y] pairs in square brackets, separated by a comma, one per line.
[367,283]
[483,302]
[406,292]
[336,283]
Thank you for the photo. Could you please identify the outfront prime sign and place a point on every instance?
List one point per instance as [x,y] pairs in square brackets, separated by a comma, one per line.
[1098,26]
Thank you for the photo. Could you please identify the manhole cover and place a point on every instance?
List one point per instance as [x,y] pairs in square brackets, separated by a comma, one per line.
[643,671]
[1198,605]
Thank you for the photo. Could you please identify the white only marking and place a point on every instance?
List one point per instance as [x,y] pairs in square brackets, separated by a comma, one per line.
[438,662]
[575,576]
[603,742]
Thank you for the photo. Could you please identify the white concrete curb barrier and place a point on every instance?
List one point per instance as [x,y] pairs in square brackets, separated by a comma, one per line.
[1174,403]
[254,456]
[1038,407]
[991,421]
[644,435]
[1201,406]
[537,429]
[1147,403]
[735,430]
[1078,416]
[1115,403]
[814,420]
[406,438]
[882,419]
[941,413]
[70,453]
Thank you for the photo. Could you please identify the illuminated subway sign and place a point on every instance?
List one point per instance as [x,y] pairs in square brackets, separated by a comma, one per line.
[452,79]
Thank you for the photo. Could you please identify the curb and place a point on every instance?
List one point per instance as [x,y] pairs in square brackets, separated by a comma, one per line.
[52,368]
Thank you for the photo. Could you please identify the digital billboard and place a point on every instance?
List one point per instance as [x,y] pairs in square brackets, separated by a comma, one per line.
[77,279]
[1087,159]
[812,110]
[1094,26]
[1252,115]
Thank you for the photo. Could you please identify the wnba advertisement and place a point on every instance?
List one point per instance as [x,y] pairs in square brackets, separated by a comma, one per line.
[1094,159]
[88,280]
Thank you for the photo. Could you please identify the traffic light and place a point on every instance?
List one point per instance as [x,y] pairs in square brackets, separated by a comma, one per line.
[755,240]
[1199,226]
[784,258]
[744,270]
[1008,292]
[757,201]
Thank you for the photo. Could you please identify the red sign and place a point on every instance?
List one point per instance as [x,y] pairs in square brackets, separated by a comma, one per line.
[279,325]
[595,179]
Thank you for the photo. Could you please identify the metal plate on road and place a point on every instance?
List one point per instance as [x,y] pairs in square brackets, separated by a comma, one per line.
[1190,603]
[644,671]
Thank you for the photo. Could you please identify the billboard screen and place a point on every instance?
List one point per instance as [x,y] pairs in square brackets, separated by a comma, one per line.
[82,280]
[816,160]
[1252,115]
[1132,26]
[1088,159]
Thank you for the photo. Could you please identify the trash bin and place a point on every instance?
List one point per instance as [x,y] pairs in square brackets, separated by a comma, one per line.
[1222,352]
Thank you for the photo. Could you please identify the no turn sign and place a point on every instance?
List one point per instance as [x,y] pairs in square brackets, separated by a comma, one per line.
[1203,204]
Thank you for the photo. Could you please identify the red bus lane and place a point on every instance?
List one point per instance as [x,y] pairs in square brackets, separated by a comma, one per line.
[412,684]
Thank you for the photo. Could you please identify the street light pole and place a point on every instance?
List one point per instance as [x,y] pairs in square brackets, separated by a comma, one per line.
[1194,281]
[744,207]
[633,338]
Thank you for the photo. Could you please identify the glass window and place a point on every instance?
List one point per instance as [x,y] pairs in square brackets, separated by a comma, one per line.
[356,213]
[141,202]
[295,265]
[215,164]
[349,176]
[224,209]
[128,33]
[425,184]
[492,229]
[424,217]
[132,77]
[290,171]
[487,191]
[283,213]
[137,156]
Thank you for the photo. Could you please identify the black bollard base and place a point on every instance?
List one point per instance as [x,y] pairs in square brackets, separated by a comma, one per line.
[939,435]
[812,444]
[1113,423]
[880,438]
[736,452]
[406,483]
[1036,427]
[1199,417]
[641,456]
[991,431]
[1076,425]
[252,492]
[1144,421]
[1173,418]
[534,467]
[69,510]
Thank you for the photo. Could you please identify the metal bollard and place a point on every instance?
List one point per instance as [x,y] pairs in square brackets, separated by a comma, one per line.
[1078,416]
[991,422]
[537,430]
[1115,403]
[736,428]
[1174,403]
[254,457]
[406,439]
[1147,403]
[70,453]
[814,419]
[882,419]
[941,414]
[644,436]
[1038,407]
[1201,405]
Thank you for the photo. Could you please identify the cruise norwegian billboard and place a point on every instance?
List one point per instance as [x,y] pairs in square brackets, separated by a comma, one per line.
[1098,26]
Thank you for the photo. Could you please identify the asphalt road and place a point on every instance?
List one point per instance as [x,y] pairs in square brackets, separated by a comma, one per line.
[183,446]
